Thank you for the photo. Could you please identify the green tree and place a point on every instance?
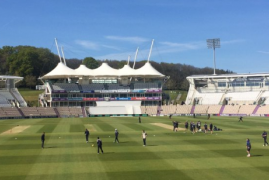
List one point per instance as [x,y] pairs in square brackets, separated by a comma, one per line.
[30,81]
[90,63]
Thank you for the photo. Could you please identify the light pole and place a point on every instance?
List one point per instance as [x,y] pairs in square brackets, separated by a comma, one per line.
[212,44]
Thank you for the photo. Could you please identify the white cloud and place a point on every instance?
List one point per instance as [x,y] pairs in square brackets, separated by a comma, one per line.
[160,48]
[183,46]
[87,44]
[111,47]
[135,40]
[264,52]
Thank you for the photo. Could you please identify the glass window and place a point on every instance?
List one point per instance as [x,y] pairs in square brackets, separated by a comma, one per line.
[253,83]
[237,84]
[221,84]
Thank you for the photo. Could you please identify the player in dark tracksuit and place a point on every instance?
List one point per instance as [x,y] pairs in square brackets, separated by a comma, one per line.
[205,127]
[211,127]
[174,125]
[199,125]
[87,133]
[116,136]
[99,145]
[186,125]
[43,140]
[240,119]
[248,145]
[191,127]
[264,136]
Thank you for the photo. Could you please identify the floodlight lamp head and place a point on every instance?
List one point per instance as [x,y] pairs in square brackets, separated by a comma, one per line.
[213,43]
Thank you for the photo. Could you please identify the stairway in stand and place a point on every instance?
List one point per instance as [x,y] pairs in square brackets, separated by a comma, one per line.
[84,112]
[256,109]
[222,109]
[192,109]
[20,111]
[57,112]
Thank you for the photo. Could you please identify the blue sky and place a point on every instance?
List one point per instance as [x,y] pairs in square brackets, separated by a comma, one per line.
[113,29]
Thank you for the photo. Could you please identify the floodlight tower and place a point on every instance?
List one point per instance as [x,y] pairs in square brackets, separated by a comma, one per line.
[212,44]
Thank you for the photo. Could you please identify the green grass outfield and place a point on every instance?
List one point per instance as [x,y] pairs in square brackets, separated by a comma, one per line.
[169,155]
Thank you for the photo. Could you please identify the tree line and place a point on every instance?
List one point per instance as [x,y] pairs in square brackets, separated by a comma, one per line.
[32,62]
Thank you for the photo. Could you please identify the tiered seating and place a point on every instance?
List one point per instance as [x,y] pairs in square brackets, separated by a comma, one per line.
[70,111]
[18,96]
[118,87]
[141,86]
[152,85]
[4,102]
[30,111]
[143,109]
[214,109]
[242,97]
[38,111]
[229,109]
[9,112]
[183,109]
[46,111]
[263,110]
[66,86]
[208,98]
[151,110]
[6,94]
[246,109]
[89,87]
[201,109]
[170,109]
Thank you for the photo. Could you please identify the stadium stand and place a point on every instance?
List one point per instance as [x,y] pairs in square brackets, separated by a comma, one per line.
[4,102]
[151,110]
[183,109]
[66,86]
[246,109]
[208,98]
[9,112]
[231,109]
[168,109]
[263,110]
[242,97]
[89,87]
[19,98]
[143,109]
[214,109]
[70,111]
[201,109]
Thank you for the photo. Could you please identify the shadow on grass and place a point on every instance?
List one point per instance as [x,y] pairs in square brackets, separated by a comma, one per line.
[256,155]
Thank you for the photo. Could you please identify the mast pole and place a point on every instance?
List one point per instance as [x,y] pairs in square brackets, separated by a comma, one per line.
[63,55]
[58,50]
[128,60]
[135,56]
[150,49]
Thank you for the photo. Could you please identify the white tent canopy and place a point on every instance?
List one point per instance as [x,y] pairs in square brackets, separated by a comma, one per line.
[148,71]
[105,71]
[62,71]
[126,71]
[82,70]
